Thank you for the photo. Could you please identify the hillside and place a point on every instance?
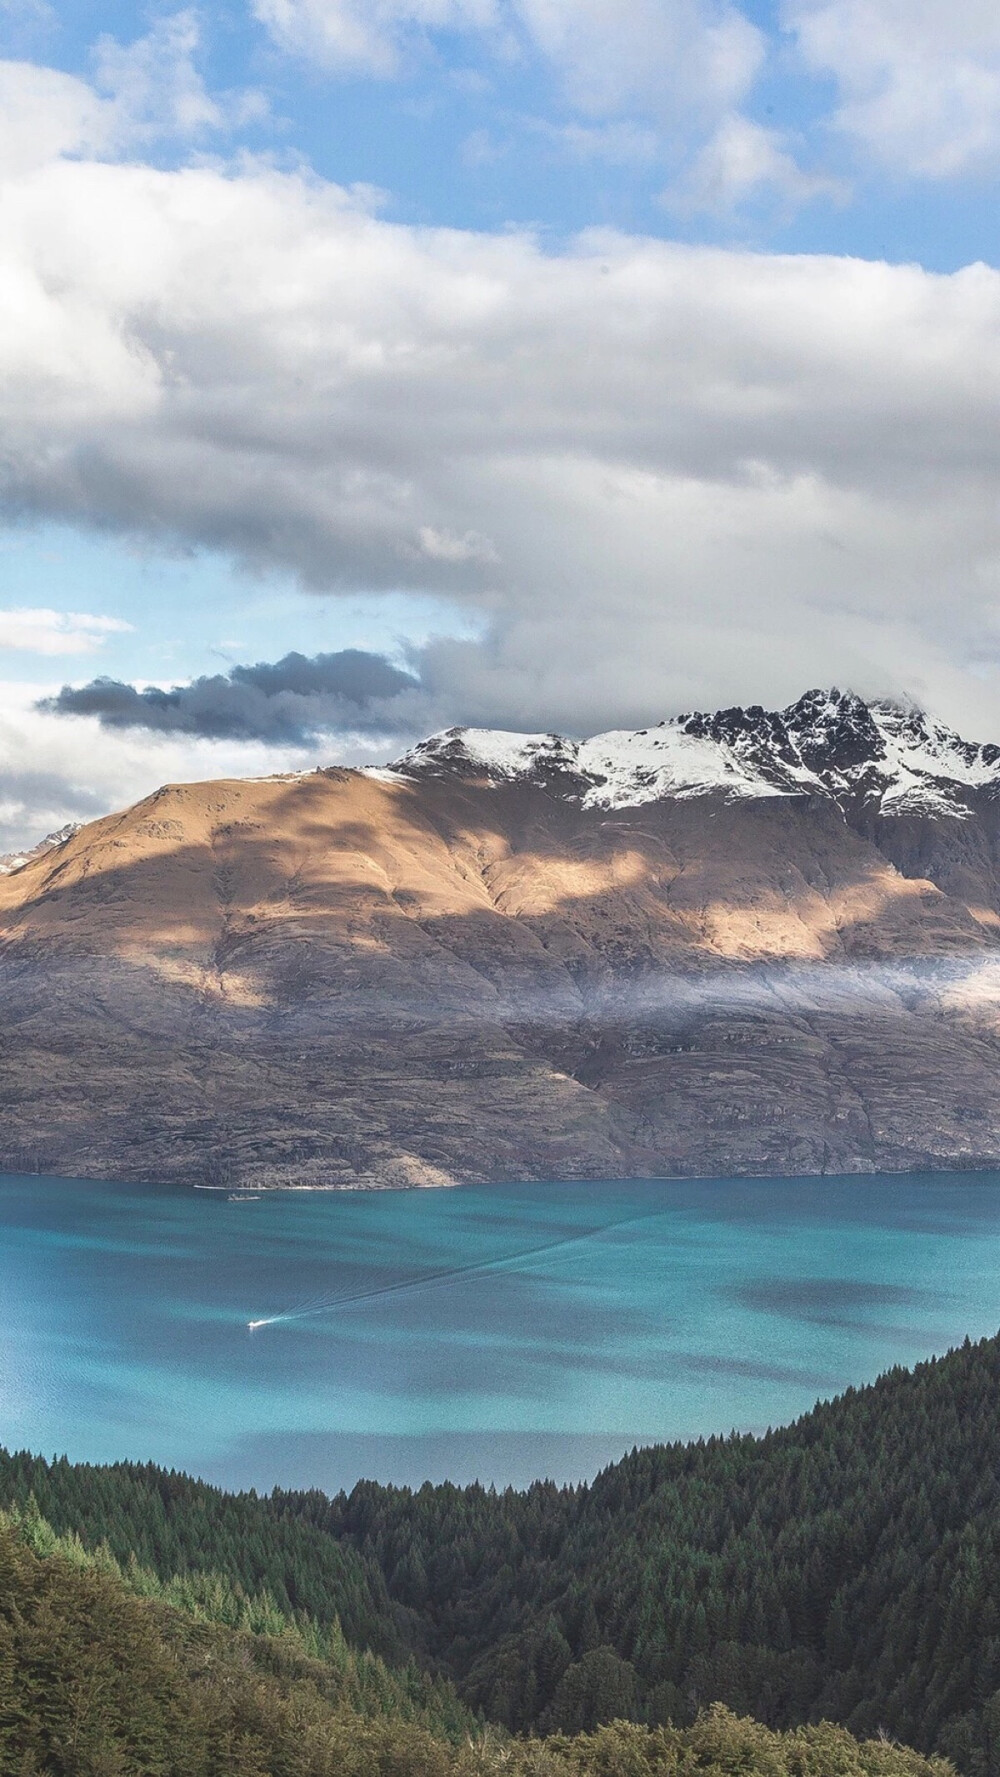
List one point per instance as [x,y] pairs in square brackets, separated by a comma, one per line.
[95,1681]
[752,942]
[842,1568]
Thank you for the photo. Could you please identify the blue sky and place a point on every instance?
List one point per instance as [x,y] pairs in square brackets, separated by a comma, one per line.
[589,361]
[181,613]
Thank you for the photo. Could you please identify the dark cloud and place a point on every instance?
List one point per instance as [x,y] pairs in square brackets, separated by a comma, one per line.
[294,700]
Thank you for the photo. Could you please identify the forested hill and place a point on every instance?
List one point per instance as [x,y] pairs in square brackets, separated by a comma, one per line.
[844,1567]
[96,1681]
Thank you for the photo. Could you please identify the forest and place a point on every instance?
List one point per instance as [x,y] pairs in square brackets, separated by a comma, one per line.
[841,1570]
[107,1673]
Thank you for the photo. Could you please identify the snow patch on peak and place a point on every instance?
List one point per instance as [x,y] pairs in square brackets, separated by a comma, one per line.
[926,760]
[492,751]
[627,768]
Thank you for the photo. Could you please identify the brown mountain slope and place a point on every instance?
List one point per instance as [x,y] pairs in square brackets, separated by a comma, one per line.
[346,980]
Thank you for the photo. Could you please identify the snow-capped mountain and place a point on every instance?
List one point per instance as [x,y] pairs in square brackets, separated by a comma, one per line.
[435,974]
[16,860]
[880,756]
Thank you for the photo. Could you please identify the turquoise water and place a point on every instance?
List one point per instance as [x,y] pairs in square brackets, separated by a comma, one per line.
[504,1332]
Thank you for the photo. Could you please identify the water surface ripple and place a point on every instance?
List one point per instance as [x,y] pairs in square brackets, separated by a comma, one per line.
[502,1332]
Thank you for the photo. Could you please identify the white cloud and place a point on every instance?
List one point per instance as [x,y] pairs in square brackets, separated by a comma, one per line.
[666,59]
[40,630]
[153,84]
[618,142]
[446,546]
[144,91]
[662,58]
[366,36]
[918,80]
[741,161]
[45,113]
[660,475]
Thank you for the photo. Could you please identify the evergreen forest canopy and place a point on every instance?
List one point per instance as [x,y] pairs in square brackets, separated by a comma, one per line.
[841,1569]
[97,1681]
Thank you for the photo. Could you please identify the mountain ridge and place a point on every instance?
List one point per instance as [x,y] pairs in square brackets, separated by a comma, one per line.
[881,754]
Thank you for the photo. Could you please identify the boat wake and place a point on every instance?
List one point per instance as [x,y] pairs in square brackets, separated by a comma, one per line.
[327,1301]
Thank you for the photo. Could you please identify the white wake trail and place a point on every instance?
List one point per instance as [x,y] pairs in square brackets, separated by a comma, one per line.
[452,1274]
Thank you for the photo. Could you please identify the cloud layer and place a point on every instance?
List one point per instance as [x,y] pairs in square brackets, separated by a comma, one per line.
[54,769]
[661,474]
[40,630]
[918,81]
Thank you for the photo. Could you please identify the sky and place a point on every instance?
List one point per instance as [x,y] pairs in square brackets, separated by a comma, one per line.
[370,366]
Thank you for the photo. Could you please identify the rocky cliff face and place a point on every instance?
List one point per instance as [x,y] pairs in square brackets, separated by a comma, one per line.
[747,942]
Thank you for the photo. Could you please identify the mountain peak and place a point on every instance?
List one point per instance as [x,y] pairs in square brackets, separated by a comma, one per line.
[16,860]
[881,755]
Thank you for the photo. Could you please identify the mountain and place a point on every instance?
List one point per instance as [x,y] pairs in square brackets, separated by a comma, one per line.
[746,942]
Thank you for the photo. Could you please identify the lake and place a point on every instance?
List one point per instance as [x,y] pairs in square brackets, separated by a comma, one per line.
[501,1332]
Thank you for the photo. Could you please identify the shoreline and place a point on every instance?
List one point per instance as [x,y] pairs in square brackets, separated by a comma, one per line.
[252,1192]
